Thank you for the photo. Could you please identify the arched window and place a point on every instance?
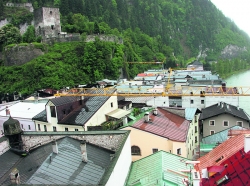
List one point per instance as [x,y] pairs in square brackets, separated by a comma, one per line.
[135,150]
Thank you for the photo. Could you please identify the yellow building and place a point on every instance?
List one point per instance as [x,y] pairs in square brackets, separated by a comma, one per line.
[164,130]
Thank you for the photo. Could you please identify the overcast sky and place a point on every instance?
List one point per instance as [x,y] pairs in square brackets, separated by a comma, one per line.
[237,10]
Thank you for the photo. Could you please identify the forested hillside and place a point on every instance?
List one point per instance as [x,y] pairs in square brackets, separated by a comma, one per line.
[173,31]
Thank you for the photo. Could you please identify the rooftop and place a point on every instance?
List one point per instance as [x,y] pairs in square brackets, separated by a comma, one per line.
[42,166]
[165,124]
[225,150]
[235,168]
[25,109]
[223,108]
[159,168]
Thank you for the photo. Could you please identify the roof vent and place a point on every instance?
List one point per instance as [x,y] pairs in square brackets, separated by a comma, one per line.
[84,151]
[15,176]
[55,147]
[222,180]
[146,117]
[155,112]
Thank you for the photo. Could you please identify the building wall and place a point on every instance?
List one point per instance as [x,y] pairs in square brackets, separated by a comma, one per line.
[219,123]
[147,142]
[211,100]
[99,117]
[159,102]
[193,137]
[122,167]
[4,145]
[203,102]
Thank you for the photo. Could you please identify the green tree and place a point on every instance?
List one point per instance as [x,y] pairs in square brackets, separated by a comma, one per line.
[9,34]
[1,8]
[29,36]
[96,28]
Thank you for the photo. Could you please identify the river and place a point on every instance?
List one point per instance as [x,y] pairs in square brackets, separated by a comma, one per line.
[241,80]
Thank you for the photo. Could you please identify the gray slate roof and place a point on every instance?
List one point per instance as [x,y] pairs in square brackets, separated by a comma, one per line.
[64,100]
[67,168]
[82,114]
[223,108]
[27,166]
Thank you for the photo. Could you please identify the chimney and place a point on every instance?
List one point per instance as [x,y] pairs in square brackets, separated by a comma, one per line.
[112,156]
[196,178]
[146,117]
[247,143]
[7,111]
[84,151]
[155,112]
[54,147]
[15,176]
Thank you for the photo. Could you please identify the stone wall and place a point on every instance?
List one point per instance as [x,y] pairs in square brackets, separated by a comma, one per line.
[102,37]
[19,55]
[28,6]
[4,145]
[110,142]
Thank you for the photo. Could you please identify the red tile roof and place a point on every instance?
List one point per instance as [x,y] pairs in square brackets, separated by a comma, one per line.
[223,151]
[237,171]
[238,132]
[141,75]
[165,124]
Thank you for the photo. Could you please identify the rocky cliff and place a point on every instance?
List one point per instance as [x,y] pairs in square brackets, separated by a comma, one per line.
[19,55]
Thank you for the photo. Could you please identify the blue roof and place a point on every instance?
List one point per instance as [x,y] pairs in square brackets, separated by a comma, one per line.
[219,137]
[189,113]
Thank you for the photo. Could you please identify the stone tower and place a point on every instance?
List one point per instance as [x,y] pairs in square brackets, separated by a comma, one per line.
[13,131]
[47,22]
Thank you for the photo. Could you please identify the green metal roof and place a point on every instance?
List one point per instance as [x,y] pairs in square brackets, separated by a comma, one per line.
[160,168]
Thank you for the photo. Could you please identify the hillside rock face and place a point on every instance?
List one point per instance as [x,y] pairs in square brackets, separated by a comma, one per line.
[19,55]
[232,51]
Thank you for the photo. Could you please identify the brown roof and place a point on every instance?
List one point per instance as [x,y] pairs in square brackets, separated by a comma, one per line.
[165,124]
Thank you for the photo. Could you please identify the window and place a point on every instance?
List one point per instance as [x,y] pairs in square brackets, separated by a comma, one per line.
[54,129]
[202,101]
[225,123]
[196,139]
[239,123]
[66,129]
[195,130]
[50,12]
[76,129]
[53,111]
[22,126]
[135,150]
[155,150]
[196,118]
[29,127]
[45,128]
[38,126]
[52,27]
[111,104]
[211,132]
[179,151]
[191,101]
[211,122]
